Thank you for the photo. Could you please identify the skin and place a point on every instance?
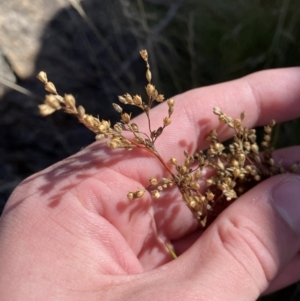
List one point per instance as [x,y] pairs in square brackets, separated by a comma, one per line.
[70,233]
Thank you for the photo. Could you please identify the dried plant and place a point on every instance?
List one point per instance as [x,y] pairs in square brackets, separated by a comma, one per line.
[235,168]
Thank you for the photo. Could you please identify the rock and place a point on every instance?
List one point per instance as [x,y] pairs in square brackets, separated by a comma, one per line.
[22,23]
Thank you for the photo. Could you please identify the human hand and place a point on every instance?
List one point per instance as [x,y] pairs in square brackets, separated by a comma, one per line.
[70,233]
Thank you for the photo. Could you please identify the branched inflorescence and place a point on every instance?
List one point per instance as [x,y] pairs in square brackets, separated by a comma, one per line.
[233,169]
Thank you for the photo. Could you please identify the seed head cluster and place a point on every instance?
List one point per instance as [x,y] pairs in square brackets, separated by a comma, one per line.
[232,168]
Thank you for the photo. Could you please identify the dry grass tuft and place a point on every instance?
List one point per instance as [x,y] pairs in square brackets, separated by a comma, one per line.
[235,168]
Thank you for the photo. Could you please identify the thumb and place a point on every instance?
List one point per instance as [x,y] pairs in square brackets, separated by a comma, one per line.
[250,244]
[241,253]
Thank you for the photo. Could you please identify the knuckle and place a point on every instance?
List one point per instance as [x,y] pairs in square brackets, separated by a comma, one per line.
[249,247]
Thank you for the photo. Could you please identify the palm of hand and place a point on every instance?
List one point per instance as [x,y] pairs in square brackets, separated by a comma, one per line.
[86,227]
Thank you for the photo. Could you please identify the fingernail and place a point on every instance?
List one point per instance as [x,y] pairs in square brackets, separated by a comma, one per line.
[286,198]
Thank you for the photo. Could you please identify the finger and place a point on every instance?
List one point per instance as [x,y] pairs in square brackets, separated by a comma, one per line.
[242,252]
[253,241]
[265,95]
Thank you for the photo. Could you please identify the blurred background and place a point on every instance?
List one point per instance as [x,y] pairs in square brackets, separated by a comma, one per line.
[90,48]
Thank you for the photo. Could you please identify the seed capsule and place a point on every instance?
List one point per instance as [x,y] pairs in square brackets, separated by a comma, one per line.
[155,194]
[130,195]
[139,193]
[117,108]
[50,88]
[167,121]
[173,161]
[42,76]
[148,75]
[153,181]
[69,100]
[125,117]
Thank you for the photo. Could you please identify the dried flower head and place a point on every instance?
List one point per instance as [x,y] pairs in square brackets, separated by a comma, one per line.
[236,166]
